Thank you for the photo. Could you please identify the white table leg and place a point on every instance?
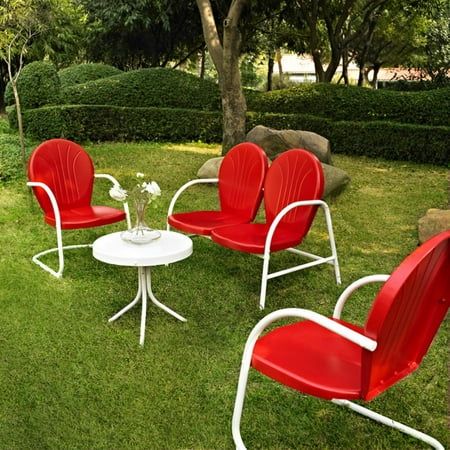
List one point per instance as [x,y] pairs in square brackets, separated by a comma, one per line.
[144,291]
[130,305]
[155,300]
[144,305]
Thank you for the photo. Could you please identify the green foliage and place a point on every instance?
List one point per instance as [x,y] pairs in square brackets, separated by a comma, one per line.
[131,34]
[106,123]
[82,73]
[10,154]
[357,104]
[389,140]
[145,88]
[38,84]
[412,85]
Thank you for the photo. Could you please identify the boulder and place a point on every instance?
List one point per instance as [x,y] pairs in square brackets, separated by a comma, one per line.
[210,169]
[277,141]
[433,222]
[335,179]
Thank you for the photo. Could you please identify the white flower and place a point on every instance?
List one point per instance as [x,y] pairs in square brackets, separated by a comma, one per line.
[152,188]
[156,188]
[140,175]
[117,193]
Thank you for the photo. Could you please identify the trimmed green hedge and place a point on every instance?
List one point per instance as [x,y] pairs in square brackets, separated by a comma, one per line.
[115,123]
[389,140]
[38,85]
[165,88]
[357,104]
[82,73]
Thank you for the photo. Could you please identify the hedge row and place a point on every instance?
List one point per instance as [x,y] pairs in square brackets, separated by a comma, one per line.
[388,140]
[158,87]
[116,123]
[145,88]
[82,73]
[356,104]
[421,144]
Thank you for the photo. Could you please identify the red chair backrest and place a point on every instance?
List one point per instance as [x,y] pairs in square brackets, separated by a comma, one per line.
[68,171]
[295,175]
[406,315]
[241,179]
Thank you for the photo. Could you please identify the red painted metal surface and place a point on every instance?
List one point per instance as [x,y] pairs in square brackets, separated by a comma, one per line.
[241,178]
[405,317]
[295,175]
[68,171]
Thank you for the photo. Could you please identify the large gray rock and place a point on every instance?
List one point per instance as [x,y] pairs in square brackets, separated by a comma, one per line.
[335,179]
[277,141]
[433,222]
[210,169]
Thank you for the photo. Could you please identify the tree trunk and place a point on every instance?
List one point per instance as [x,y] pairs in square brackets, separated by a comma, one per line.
[336,53]
[19,122]
[320,73]
[234,105]
[376,71]
[201,73]
[361,75]
[345,63]
[280,66]
[269,71]
[225,56]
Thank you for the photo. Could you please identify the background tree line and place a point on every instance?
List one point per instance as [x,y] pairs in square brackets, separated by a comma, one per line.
[132,34]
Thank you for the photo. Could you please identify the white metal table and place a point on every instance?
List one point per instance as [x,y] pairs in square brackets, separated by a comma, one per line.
[170,247]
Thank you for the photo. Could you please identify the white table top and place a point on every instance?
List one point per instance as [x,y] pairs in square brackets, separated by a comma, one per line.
[169,248]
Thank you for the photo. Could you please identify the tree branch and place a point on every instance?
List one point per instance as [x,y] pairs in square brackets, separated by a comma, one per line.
[210,33]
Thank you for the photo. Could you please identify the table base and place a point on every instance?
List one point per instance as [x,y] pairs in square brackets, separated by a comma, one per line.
[144,291]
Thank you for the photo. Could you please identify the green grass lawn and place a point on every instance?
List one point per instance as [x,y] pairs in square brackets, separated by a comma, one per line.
[72,380]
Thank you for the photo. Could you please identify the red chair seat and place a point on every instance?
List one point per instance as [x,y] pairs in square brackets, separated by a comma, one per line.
[87,217]
[203,222]
[311,359]
[251,238]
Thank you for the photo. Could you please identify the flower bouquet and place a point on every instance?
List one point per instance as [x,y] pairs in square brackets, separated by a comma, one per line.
[141,195]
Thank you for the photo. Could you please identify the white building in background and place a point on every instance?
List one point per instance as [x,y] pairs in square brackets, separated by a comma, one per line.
[300,69]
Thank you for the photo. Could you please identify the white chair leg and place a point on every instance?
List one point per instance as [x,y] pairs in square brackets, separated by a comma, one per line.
[390,423]
[265,271]
[60,251]
[240,394]
[329,222]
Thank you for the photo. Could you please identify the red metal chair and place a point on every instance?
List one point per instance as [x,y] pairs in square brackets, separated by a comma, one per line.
[240,182]
[62,175]
[339,361]
[292,193]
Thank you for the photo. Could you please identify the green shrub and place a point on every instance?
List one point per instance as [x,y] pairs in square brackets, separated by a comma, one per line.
[10,157]
[388,140]
[82,73]
[356,104]
[421,85]
[147,88]
[38,85]
[113,123]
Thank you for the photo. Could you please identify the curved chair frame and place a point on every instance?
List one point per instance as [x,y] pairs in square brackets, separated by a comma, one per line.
[333,259]
[181,190]
[335,327]
[60,247]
